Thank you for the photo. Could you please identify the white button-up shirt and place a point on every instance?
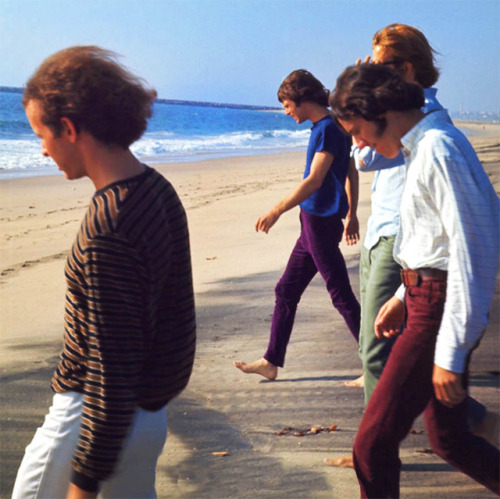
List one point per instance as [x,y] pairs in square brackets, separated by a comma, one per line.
[388,183]
[450,221]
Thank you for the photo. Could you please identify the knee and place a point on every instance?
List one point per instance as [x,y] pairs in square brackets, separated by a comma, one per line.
[445,443]
[375,355]
[365,442]
[445,449]
[286,294]
[374,365]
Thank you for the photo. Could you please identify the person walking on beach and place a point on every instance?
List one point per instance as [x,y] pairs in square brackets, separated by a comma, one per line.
[323,204]
[129,335]
[448,246]
[406,50]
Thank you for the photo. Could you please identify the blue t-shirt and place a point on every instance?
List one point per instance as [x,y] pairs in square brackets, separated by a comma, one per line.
[330,198]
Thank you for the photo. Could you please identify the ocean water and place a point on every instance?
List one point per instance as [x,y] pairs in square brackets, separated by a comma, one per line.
[176,133]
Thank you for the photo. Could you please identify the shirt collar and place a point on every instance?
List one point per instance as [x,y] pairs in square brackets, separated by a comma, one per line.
[327,117]
[433,119]
[430,93]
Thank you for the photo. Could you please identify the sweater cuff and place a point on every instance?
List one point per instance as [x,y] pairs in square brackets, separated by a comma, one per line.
[85,482]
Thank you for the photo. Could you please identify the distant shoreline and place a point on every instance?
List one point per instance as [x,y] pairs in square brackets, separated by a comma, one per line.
[180,102]
[225,105]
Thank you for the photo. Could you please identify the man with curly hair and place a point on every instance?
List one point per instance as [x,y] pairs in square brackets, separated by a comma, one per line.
[129,325]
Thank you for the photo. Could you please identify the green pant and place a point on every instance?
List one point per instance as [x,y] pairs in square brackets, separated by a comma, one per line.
[379,277]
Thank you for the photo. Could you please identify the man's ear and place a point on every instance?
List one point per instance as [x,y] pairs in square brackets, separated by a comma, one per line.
[408,71]
[69,130]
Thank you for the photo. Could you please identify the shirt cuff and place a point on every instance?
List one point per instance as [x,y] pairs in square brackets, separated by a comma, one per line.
[85,482]
[400,292]
[449,358]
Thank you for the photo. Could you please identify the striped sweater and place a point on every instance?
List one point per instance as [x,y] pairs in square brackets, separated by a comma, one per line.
[129,338]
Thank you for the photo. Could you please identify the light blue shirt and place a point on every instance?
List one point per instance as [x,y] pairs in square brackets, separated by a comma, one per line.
[388,183]
[450,218]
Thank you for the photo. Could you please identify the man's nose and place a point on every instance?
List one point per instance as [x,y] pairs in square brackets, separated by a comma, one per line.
[44,151]
[360,142]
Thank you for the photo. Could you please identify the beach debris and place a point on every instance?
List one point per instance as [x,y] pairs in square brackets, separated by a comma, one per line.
[425,451]
[211,258]
[221,453]
[284,431]
[415,432]
[310,430]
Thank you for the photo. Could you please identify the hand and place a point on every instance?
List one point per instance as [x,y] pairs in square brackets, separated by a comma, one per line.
[448,386]
[367,59]
[265,222]
[351,230]
[390,318]
[75,492]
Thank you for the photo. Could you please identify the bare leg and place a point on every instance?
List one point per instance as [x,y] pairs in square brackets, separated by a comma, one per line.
[356,383]
[340,462]
[261,366]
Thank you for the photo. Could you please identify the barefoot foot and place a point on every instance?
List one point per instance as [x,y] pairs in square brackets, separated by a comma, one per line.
[340,462]
[356,383]
[261,366]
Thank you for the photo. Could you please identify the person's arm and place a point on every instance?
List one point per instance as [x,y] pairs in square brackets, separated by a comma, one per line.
[111,310]
[319,168]
[75,492]
[351,231]
[390,318]
[468,211]
[368,160]
[448,386]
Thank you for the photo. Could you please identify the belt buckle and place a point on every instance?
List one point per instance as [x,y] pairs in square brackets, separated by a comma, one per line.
[410,277]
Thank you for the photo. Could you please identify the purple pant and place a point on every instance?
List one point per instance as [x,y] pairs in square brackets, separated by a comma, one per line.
[316,250]
[404,391]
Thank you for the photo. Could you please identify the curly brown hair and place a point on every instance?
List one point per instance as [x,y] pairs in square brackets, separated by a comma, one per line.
[302,86]
[87,85]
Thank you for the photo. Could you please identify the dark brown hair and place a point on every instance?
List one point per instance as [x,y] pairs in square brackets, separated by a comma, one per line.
[409,44]
[87,85]
[302,86]
[370,90]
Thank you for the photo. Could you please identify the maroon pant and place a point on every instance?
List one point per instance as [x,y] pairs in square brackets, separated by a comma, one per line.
[404,391]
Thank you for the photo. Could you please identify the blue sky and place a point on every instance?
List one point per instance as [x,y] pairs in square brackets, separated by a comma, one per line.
[238,51]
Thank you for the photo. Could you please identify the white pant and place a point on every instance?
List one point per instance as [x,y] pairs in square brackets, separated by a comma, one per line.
[46,469]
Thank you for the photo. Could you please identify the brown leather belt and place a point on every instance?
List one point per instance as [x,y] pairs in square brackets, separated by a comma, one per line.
[411,277]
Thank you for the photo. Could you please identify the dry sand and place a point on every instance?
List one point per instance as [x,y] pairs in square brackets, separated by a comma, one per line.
[235,271]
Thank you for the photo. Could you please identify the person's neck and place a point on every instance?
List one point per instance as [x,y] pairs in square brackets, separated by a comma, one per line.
[106,165]
[316,112]
[403,122]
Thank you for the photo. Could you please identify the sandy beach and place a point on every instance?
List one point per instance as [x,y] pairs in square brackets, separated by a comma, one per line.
[235,271]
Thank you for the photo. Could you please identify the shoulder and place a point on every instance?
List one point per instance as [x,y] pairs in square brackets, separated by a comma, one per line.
[328,131]
[330,126]
[447,142]
[123,205]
